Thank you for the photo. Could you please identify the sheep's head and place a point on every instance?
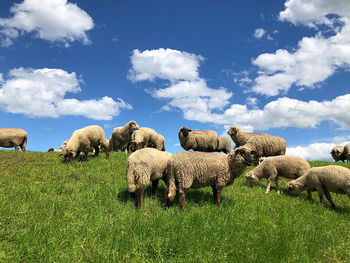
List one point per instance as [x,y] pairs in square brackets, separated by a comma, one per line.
[50,150]
[133,125]
[233,131]
[64,145]
[184,131]
[134,146]
[240,156]
[336,152]
[246,153]
[68,154]
[251,178]
[293,188]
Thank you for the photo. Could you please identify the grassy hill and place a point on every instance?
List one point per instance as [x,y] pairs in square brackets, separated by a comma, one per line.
[81,212]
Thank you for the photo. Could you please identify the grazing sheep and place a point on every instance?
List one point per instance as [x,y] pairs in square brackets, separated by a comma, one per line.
[224,145]
[337,153]
[240,137]
[13,137]
[54,150]
[146,137]
[143,166]
[200,169]
[198,140]
[83,140]
[264,146]
[331,178]
[121,136]
[272,168]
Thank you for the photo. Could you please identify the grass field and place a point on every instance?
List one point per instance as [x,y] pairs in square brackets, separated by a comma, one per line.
[81,212]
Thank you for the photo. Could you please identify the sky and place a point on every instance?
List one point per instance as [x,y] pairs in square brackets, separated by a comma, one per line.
[279,67]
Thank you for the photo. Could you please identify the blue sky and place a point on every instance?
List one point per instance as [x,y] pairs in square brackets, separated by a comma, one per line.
[280,67]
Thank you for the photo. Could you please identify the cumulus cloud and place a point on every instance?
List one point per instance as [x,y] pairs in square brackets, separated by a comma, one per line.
[54,20]
[316,151]
[321,55]
[40,93]
[259,33]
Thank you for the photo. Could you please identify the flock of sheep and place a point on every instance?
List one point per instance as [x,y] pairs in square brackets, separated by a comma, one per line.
[150,162]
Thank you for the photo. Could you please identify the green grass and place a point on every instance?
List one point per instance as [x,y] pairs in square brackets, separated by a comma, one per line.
[81,212]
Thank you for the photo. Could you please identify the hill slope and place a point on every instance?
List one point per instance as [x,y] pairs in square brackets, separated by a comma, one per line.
[81,212]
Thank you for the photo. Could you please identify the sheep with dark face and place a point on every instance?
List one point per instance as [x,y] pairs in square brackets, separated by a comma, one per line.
[187,170]
[337,153]
[198,140]
[146,137]
[13,137]
[121,136]
[240,137]
[331,178]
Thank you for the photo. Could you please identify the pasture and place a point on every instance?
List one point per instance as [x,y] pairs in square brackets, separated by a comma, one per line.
[81,212]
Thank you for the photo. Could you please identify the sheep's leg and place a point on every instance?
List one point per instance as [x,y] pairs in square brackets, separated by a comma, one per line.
[277,186]
[215,194]
[132,195]
[269,181]
[154,187]
[86,155]
[329,198]
[16,148]
[320,195]
[218,198]
[309,195]
[139,198]
[166,199]
[97,151]
[182,199]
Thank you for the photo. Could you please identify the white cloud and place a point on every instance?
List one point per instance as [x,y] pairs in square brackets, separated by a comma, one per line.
[165,64]
[54,20]
[316,151]
[259,33]
[322,56]
[40,93]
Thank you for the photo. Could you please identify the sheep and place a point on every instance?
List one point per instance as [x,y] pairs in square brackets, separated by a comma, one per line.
[240,137]
[121,136]
[146,137]
[272,168]
[224,145]
[200,169]
[13,137]
[143,166]
[331,178]
[198,140]
[264,146]
[337,153]
[54,150]
[83,139]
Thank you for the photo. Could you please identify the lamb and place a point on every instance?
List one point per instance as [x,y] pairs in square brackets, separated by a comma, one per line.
[272,168]
[121,136]
[240,137]
[83,139]
[331,178]
[264,146]
[224,145]
[146,137]
[198,140]
[200,169]
[13,137]
[143,166]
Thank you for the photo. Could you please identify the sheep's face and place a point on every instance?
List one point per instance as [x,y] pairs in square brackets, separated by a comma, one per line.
[64,145]
[134,125]
[293,189]
[251,178]
[184,131]
[134,146]
[68,155]
[239,156]
[246,153]
[233,131]
[336,153]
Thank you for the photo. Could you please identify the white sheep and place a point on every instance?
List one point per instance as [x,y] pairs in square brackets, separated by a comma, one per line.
[83,140]
[240,137]
[143,166]
[198,140]
[146,137]
[264,146]
[272,168]
[331,178]
[13,137]
[200,169]
[121,136]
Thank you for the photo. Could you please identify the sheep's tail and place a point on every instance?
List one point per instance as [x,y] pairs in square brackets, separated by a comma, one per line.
[171,183]
[130,178]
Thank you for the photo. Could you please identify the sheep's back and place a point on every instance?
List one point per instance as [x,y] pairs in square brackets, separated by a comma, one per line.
[268,145]
[287,166]
[12,135]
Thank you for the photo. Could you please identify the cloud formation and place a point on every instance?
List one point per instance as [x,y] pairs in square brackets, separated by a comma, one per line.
[40,93]
[321,55]
[259,33]
[54,20]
